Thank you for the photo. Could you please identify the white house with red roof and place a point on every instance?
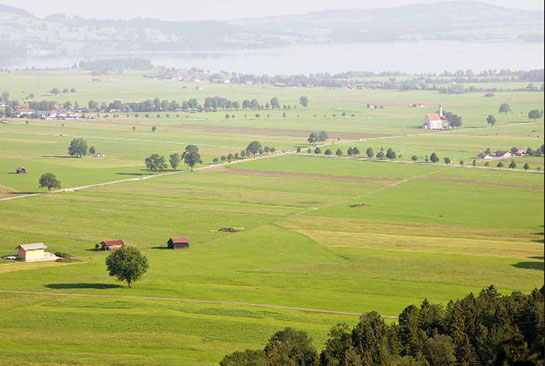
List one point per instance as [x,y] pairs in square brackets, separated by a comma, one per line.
[434,121]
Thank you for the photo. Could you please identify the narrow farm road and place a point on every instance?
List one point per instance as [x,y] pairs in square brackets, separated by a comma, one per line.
[195,302]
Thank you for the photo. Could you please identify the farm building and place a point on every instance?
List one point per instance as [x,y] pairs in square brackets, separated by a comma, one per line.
[518,151]
[228,230]
[434,121]
[484,156]
[34,252]
[110,245]
[178,243]
[20,170]
[503,154]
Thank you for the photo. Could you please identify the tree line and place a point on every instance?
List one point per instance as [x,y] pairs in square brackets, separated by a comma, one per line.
[190,105]
[488,329]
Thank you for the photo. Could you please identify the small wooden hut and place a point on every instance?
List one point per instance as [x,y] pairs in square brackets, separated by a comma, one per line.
[110,245]
[20,170]
[228,230]
[178,243]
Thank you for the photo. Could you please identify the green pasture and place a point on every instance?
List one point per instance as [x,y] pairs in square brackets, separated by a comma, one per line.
[335,234]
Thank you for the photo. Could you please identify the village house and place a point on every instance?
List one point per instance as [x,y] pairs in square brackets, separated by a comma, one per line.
[34,252]
[434,121]
[24,110]
[503,154]
[374,106]
[518,151]
[484,156]
[110,245]
[178,243]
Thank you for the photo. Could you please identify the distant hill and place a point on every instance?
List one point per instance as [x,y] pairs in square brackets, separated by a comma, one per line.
[22,34]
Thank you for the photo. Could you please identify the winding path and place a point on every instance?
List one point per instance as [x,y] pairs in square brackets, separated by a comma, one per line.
[308,310]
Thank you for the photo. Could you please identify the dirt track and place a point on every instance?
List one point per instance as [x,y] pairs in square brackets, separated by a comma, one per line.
[195,302]
[308,176]
[481,183]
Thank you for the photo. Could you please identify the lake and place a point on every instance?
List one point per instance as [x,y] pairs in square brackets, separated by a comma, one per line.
[421,57]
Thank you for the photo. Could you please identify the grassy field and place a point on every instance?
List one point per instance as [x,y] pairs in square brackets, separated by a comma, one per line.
[344,235]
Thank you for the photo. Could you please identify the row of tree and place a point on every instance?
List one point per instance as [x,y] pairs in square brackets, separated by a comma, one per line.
[210,103]
[488,329]
[190,156]
[245,153]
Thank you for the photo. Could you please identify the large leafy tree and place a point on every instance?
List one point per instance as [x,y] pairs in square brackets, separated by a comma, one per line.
[254,147]
[175,160]
[303,101]
[156,163]
[191,156]
[491,120]
[505,108]
[535,114]
[78,147]
[127,264]
[49,181]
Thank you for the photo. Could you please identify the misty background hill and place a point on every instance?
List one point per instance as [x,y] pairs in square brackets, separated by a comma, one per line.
[25,35]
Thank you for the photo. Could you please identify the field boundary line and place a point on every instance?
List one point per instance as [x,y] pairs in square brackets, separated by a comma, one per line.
[213,302]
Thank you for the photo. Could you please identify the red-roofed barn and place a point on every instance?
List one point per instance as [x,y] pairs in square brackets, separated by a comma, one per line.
[110,245]
[178,243]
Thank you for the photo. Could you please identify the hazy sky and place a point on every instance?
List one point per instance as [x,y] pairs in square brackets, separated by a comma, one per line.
[214,9]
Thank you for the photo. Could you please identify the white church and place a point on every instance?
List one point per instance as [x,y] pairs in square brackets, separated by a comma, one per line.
[434,121]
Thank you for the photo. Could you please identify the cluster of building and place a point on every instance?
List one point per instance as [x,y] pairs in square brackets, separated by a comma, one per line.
[36,252]
[172,243]
[502,154]
[374,106]
[27,111]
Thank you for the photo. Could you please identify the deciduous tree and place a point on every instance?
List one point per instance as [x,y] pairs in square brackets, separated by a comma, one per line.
[127,264]
[49,181]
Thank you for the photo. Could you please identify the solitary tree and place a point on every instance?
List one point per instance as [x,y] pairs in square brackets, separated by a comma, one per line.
[317,150]
[78,148]
[535,114]
[127,264]
[513,164]
[447,160]
[174,160]
[434,158]
[155,163]
[505,108]
[133,128]
[153,129]
[414,158]
[355,151]
[92,150]
[491,120]
[370,153]
[303,101]
[339,152]
[49,180]
[254,147]
[526,166]
[500,165]
[191,156]
[328,152]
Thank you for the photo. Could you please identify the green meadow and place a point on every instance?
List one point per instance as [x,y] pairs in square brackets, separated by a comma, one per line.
[335,234]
